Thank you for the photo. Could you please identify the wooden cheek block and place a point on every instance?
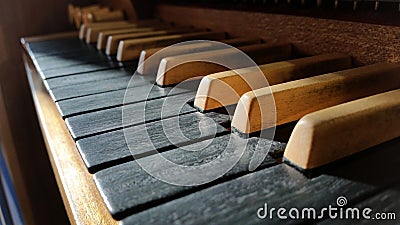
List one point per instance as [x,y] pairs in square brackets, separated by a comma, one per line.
[333,133]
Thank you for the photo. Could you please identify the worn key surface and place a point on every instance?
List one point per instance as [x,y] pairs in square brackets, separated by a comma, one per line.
[87,77]
[73,91]
[85,104]
[383,202]
[128,188]
[83,68]
[110,119]
[237,201]
[66,60]
[101,151]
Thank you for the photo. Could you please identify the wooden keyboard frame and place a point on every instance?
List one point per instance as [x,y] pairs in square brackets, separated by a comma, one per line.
[81,198]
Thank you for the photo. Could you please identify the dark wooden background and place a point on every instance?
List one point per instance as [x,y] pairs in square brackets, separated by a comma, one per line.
[24,148]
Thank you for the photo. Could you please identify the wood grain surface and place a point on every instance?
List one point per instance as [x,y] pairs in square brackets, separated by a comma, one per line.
[225,88]
[81,198]
[336,132]
[297,98]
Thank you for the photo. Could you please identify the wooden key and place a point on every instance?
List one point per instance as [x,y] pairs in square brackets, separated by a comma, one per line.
[150,67]
[225,88]
[113,40]
[84,27]
[333,133]
[92,33]
[297,98]
[103,16]
[79,12]
[172,70]
[103,35]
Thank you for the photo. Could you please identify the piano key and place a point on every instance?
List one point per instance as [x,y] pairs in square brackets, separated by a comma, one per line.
[130,49]
[384,201]
[333,133]
[297,98]
[277,186]
[89,103]
[106,120]
[78,90]
[87,77]
[147,67]
[105,150]
[67,60]
[225,88]
[83,68]
[93,32]
[114,40]
[128,188]
[103,36]
[172,71]
[100,16]
[84,27]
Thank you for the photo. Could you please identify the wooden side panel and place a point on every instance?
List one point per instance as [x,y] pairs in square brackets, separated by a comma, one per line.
[30,168]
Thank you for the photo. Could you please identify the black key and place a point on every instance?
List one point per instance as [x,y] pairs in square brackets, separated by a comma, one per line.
[108,149]
[127,188]
[87,77]
[110,99]
[73,91]
[102,121]
[82,68]
[237,201]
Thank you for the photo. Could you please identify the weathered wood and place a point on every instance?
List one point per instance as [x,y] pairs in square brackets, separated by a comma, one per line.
[237,201]
[73,91]
[110,99]
[83,68]
[128,187]
[336,132]
[130,49]
[173,70]
[87,77]
[97,122]
[148,67]
[67,60]
[110,149]
[225,88]
[383,202]
[297,98]
[113,40]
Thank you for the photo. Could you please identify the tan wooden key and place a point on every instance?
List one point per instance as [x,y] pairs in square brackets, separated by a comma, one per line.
[225,88]
[151,66]
[113,40]
[333,133]
[101,16]
[103,35]
[130,49]
[173,70]
[84,27]
[297,98]
[92,33]
[79,12]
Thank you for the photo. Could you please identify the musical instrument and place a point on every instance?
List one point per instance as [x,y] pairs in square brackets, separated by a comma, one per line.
[332,93]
